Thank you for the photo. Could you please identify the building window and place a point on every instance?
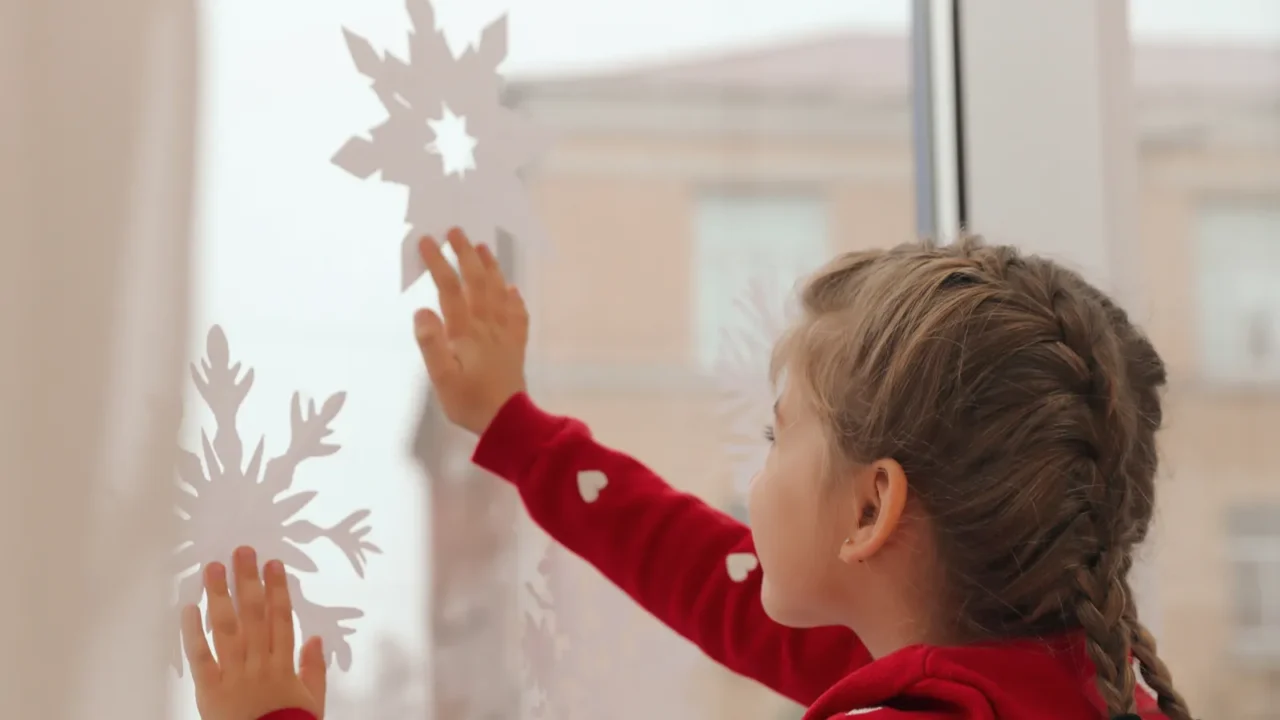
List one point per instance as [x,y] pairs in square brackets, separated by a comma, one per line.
[1238,261]
[1255,568]
[749,240]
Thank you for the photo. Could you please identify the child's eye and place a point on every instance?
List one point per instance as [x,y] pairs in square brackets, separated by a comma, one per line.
[768,433]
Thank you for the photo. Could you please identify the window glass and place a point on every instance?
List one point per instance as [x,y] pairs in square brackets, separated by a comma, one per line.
[653,110]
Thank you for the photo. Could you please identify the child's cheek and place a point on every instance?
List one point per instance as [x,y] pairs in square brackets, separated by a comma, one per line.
[757,498]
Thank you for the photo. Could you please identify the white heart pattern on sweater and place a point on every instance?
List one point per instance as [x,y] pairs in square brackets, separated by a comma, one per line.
[590,483]
[740,565]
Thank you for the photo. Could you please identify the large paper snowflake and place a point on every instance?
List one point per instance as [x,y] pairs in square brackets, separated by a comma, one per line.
[742,370]
[226,501]
[429,97]
[580,655]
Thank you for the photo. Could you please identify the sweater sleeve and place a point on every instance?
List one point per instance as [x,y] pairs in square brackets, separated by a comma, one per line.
[691,566]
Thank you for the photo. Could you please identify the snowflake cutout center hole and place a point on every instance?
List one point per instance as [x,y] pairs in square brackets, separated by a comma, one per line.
[455,146]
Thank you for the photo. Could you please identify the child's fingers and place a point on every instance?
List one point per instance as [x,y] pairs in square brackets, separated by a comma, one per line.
[251,604]
[435,348]
[517,314]
[204,668]
[495,284]
[279,614]
[487,260]
[227,640]
[474,277]
[453,301]
[311,670]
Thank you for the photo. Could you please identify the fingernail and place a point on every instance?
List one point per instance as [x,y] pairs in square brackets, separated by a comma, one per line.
[275,568]
[246,555]
[217,572]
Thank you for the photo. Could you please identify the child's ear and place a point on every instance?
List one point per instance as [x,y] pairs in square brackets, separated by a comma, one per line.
[879,497]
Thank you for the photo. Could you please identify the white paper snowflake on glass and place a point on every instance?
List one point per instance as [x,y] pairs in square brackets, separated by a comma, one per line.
[582,639]
[449,137]
[543,643]
[394,694]
[226,500]
[742,371]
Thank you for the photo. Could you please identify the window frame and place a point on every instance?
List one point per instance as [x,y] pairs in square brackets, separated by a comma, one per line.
[937,119]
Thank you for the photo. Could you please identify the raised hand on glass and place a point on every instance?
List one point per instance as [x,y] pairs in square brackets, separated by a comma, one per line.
[253,676]
[475,352]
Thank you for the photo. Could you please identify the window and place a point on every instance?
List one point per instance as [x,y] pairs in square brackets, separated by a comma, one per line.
[1255,565]
[1238,261]
[745,241]
[300,264]
[650,104]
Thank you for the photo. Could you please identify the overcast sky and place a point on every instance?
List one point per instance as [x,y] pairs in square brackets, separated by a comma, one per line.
[550,35]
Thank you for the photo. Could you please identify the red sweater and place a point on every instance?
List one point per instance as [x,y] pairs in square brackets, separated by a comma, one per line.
[693,568]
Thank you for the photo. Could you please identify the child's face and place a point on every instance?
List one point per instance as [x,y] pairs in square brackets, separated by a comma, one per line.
[796,520]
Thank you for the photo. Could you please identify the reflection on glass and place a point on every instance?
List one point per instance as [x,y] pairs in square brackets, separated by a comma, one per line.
[744,239]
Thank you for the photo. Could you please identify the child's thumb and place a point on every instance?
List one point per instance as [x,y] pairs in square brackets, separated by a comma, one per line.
[436,353]
[311,669]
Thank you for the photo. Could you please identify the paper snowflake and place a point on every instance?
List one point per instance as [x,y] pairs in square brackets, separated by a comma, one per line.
[428,98]
[543,642]
[394,694]
[226,501]
[742,370]
[579,657]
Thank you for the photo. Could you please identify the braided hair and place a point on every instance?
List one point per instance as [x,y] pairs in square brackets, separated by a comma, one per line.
[1023,405]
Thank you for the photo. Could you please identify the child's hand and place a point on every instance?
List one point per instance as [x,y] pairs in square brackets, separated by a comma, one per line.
[253,674]
[475,355]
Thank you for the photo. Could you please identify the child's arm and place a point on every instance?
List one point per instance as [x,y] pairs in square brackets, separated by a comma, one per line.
[693,567]
[671,553]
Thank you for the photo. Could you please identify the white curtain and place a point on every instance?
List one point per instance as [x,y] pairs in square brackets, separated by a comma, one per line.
[97,136]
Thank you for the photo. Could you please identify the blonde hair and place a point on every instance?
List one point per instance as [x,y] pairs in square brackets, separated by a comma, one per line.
[1023,405]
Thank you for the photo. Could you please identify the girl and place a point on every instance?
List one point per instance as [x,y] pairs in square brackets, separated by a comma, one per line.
[963,462]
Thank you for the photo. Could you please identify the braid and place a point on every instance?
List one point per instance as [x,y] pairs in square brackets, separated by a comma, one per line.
[1101,609]
[1104,601]
[1147,375]
[1118,367]
[1155,673]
